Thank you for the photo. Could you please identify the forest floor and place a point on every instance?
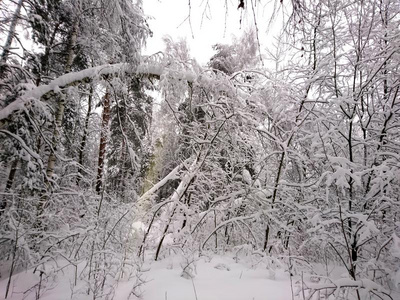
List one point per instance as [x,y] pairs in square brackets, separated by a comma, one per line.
[219,278]
[208,278]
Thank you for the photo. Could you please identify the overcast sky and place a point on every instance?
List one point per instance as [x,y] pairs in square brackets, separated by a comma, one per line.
[210,25]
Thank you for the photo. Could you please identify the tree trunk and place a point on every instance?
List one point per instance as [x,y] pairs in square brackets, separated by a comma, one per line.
[164,234]
[103,141]
[10,181]
[84,137]
[58,121]
[61,105]
[10,37]
[46,56]
[11,175]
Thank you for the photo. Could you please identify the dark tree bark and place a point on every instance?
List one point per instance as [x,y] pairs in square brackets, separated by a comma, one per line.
[103,141]
[10,181]
[84,137]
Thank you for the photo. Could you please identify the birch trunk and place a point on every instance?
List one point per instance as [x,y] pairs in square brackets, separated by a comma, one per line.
[10,38]
[51,162]
[61,105]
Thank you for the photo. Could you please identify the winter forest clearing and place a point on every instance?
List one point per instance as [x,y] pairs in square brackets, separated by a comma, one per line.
[269,172]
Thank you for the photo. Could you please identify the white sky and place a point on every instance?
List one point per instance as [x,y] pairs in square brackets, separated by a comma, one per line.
[169,17]
[211,24]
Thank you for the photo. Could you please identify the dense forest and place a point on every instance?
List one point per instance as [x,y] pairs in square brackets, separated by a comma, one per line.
[288,155]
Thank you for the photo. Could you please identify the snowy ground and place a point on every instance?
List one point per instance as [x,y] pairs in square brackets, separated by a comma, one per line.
[211,283]
[219,278]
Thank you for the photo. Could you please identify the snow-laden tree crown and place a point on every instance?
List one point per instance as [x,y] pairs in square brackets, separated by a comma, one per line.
[288,156]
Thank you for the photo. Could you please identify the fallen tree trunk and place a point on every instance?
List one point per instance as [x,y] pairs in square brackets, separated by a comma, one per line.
[151,70]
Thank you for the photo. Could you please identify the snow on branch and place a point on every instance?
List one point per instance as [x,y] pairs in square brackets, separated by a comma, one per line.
[24,146]
[149,69]
[366,284]
[171,176]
